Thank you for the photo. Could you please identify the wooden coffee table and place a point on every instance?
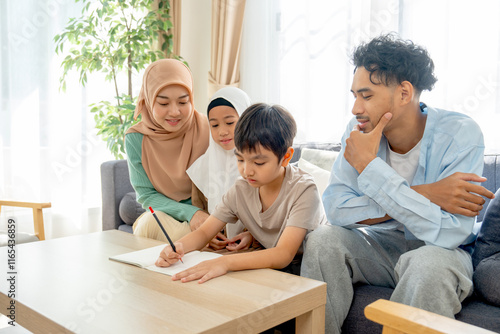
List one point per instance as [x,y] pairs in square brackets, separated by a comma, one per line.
[70,285]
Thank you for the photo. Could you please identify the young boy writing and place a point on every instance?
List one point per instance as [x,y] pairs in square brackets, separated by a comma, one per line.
[278,203]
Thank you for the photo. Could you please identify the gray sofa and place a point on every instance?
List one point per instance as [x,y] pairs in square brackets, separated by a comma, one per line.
[118,199]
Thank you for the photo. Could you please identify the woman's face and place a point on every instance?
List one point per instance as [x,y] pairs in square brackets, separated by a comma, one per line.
[222,121]
[172,107]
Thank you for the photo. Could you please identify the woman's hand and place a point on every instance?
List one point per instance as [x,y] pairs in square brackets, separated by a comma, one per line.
[198,218]
[242,241]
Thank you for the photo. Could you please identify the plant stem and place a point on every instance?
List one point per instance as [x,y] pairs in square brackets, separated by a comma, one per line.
[129,71]
[129,51]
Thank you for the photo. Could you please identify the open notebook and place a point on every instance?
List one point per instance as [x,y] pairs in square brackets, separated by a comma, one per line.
[146,258]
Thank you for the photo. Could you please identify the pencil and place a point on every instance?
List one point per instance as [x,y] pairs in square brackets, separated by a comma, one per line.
[164,232]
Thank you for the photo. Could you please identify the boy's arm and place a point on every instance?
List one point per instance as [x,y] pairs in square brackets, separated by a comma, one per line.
[277,257]
[195,240]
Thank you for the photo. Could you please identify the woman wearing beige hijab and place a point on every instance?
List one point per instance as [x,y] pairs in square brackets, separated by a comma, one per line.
[160,148]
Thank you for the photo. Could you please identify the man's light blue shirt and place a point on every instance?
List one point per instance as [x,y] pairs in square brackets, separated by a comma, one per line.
[452,142]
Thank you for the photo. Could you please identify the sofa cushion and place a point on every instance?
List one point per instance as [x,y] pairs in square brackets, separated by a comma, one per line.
[311,145]
[488,239]
[321,158]
[486,279]
[130,209]
[356,322]
[320,176]
[478,313]
[126,228]
[486,254]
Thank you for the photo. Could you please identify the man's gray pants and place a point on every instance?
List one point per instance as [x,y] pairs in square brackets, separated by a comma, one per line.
[427,277]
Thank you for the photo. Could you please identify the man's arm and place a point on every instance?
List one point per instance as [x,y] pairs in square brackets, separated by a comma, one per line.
[456,195]
[380,191]
[344,203]
[424,219]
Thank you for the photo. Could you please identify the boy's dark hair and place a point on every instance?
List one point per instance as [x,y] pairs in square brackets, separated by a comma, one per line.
[273,127]
[393,60]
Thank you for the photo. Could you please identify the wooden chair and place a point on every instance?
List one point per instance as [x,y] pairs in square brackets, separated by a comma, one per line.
[398,318]
[37,214]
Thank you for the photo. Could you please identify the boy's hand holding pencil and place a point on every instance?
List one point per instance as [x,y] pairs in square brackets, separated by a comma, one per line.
[172,246]
[168,257]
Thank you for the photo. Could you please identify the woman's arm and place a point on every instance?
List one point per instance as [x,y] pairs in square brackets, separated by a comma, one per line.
[147,195]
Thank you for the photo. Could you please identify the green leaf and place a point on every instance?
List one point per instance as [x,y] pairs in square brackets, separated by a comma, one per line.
[102,40]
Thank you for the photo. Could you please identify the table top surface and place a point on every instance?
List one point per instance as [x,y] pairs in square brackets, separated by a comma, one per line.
[69,284]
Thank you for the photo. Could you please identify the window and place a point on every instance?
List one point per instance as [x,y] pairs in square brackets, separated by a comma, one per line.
[299,53]
[49,150]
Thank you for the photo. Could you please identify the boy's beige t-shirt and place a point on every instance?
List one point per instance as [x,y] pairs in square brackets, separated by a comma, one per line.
[298,204]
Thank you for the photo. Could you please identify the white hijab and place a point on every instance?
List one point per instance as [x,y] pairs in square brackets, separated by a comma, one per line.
[216,170]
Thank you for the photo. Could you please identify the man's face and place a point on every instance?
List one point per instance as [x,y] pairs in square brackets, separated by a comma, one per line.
[371,101]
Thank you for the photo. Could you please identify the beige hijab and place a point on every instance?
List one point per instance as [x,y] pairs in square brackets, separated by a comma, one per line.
[167,155]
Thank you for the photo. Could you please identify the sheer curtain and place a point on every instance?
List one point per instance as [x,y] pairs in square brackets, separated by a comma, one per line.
[48,145]
[296,53]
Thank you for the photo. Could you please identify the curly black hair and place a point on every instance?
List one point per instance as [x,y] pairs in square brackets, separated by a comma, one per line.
[393,60]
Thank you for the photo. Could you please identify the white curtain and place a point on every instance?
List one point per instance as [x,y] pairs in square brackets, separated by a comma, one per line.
[227,19]
[297,53]
[49,151]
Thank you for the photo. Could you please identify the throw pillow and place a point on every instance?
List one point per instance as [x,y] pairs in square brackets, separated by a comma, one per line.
[320,158]
[486,254]
[320,176]
[488,239]
[129,209]
[486,282]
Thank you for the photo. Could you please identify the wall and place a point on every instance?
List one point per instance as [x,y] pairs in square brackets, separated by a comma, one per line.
[195,46]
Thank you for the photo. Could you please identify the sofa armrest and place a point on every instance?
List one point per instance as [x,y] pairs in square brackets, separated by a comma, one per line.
[400,318]
[115,184]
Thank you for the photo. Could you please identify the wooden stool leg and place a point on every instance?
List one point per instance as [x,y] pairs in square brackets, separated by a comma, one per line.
[38,220]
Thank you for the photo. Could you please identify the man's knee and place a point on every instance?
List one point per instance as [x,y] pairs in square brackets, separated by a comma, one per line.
[323,238]
[431,261]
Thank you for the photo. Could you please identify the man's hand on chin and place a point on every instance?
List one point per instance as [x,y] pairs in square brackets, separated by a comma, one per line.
[361,148]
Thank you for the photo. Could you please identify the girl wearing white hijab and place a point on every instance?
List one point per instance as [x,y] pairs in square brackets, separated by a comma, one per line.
[216,170]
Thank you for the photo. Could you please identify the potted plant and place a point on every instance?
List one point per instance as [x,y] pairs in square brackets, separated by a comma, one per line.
[115,37]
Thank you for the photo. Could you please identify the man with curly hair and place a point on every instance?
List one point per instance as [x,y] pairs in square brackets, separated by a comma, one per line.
[400,200]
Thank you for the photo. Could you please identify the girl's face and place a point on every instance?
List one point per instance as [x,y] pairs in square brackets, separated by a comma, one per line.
[172,107]
[222,121]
